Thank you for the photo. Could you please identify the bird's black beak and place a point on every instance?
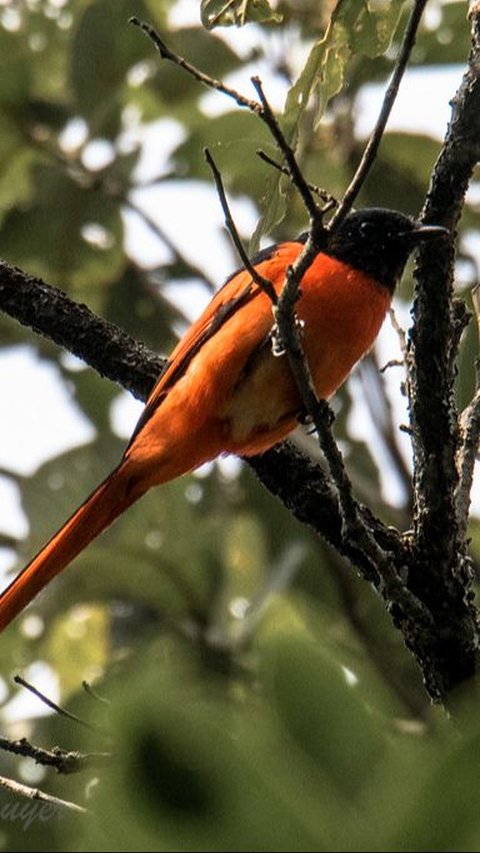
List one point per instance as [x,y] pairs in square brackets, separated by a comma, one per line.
[426,232]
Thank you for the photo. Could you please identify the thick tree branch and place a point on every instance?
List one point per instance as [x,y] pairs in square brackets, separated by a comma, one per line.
[440,571]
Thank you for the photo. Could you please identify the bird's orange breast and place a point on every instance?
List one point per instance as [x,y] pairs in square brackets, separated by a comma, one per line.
[342,311]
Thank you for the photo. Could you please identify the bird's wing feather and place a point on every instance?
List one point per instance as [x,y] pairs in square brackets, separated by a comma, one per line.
[237,291]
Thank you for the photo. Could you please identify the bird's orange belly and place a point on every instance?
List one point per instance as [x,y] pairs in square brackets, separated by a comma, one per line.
[265,404]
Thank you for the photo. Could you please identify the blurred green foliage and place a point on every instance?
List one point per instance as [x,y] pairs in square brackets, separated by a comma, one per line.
[259,697]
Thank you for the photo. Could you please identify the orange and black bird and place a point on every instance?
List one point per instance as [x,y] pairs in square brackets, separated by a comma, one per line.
[224,391]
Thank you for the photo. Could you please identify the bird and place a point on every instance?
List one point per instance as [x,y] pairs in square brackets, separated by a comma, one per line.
[224,391]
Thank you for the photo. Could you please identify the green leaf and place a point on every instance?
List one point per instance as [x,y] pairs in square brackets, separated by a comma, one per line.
[274,206]
[16,162]
[79,643]
[354,28]
[228,13]
[323,714]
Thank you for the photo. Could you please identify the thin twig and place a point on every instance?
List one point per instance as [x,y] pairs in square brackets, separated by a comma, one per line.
[212,22]
[381,414]
[371,148]
[280,577]
[64,761]
[467,457]
[211,82]
[91,692]
[400,332]
[295,172]
[51,704]
[392,362]
[261,109]
[264,283]
[327,197]
[35,794]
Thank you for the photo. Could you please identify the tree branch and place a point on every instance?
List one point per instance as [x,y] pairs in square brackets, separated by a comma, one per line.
[200,76]
[64,761]
[51,704]
[35,794]
[264,283]
[440,574]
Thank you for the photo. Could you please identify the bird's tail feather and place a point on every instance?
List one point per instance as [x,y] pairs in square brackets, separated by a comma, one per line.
[103,506]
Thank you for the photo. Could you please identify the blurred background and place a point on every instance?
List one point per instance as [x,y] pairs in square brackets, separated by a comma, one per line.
[260,697]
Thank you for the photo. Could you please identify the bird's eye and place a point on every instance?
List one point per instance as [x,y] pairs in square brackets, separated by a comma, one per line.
[367,229]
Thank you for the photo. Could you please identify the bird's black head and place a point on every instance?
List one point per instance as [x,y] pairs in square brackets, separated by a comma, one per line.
[379,241]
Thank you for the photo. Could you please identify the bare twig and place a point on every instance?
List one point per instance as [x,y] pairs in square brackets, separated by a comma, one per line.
[205,79]
[296,174]
[51,704]
[381,413]
[91,692]
[328,198]
[355,530]
[64,761]
[279,578]
[35,794]
[261,108]
[370,152]
[400,331]
[441,570]
[264,283]
[392,362]
[467,457]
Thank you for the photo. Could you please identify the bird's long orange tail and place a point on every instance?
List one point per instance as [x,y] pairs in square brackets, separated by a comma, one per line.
[104,505]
